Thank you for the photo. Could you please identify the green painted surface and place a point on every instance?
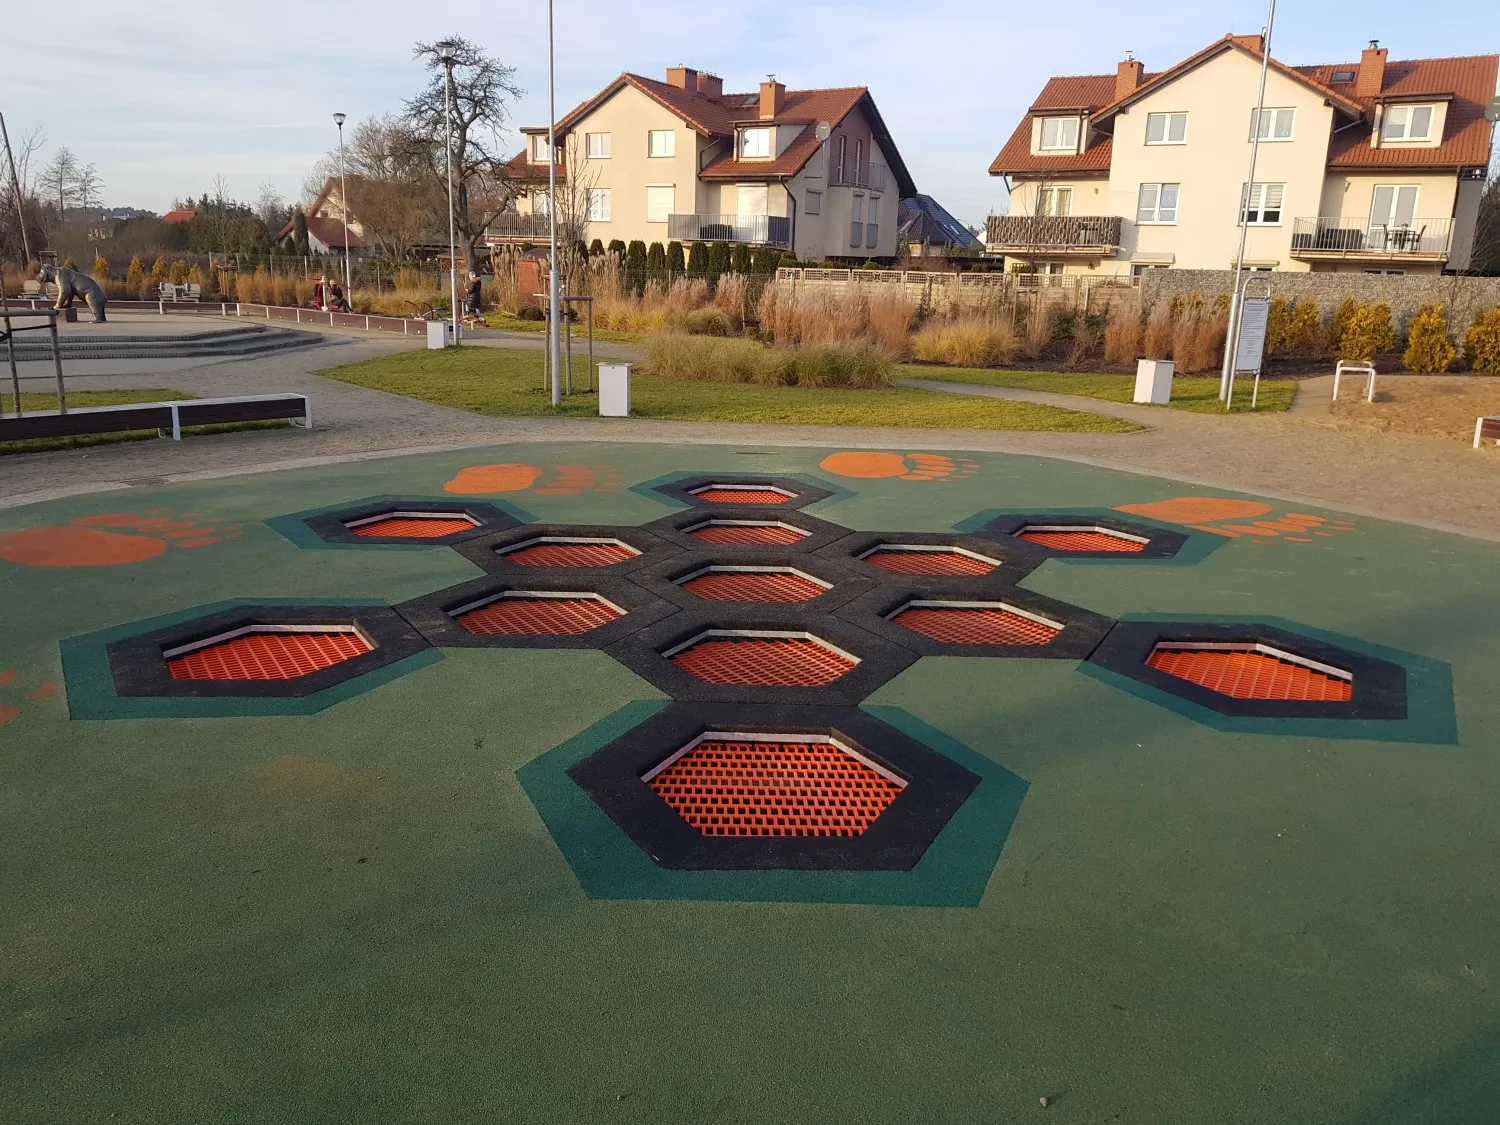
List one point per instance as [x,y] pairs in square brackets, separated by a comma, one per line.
[360,915]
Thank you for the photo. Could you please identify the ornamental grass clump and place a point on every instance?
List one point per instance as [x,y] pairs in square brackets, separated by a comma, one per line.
[968,341]
[675,355]
[1429,351]
[1122,335]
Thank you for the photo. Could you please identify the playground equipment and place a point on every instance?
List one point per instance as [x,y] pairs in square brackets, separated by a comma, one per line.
[1355,367]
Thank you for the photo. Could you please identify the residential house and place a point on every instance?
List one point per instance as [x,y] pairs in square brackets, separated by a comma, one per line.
[1376,165]
[813,171]
[925,226]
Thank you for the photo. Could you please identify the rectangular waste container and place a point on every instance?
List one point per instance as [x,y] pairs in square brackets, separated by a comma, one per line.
[614,390]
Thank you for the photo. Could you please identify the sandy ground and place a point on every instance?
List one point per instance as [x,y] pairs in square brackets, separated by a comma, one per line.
[1431,405]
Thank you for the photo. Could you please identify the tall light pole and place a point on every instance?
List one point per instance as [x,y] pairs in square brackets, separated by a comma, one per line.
[1237,299]
[447,51]
[338,119]
[554,296]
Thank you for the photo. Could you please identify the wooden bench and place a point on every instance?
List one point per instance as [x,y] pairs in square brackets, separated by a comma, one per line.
[161,416]
[1487,428]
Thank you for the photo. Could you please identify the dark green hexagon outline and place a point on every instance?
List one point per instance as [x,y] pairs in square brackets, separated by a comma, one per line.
[294,528]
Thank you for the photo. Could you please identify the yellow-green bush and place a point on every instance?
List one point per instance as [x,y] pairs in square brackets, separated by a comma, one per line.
[1278,327]
[177,275]
[1305,329]
[135,277]
[1482,343]
[1346,310]
[1428,349]
[101,268]
[1367,333]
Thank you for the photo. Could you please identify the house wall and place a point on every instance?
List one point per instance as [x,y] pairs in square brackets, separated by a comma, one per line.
[1350,195]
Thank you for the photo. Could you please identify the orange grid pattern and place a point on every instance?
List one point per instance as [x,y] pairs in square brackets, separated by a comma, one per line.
[967,625]
[928,562]
[415,527]
[742,496]
[1248,674]
[538,617]
[774,789]
[765,661]
[754,586]
[571,554]
[768,534]
[1084,539]
[267,656]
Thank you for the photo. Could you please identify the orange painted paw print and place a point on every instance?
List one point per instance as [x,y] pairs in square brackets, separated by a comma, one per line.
[514,476]
[1213,513]
[9,711]
[867,465]
[114,539]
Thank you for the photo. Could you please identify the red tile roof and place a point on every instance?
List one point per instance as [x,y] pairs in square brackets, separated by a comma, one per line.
[1087,93]
[179,216]
[789,163]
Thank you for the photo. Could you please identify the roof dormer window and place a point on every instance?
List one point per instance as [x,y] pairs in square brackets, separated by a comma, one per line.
[1407,123]
[755,144]
[1059,134]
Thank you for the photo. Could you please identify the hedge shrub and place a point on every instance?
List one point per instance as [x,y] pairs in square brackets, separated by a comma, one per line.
[1428,349]
[1482,343]
[1367,333]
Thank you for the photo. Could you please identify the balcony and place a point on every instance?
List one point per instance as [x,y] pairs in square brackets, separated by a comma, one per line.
[510,227]
[1333,239]
[1053,236]
[860,174]
[755,230]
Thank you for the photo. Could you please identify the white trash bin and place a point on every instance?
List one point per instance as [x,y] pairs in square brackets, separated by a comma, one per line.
[440,334]
[1153,381]
[614,390]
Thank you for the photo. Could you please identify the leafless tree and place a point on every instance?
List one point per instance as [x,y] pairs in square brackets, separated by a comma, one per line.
[1485,256]
[391,193]
[88,187]
[59,181]
[574,195]
[18,198]
[270,208]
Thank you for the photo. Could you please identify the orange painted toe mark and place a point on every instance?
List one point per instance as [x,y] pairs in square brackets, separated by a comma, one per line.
[187,533]
[1214,530]
[1299,539]
[1325,534]
[1280,525]
[76,546]
[201,541]
[476,480]
[865,465]
[1197,509]
[7,713]
[43,692]
[7,676]
[110,519]
[1253,530]
[556,491]
[1303,517]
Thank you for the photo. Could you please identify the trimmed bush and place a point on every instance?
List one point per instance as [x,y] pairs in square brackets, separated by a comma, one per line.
[178,273]
[1428,349]
[158,271]
[596,248]
[739,258]
[616,246]
[101,268]
[1367,333]
[1305,330]
[135,277]
[1482,343]
[718,258]
[1278,327]
[656,257]
[1341,317]
[676,259]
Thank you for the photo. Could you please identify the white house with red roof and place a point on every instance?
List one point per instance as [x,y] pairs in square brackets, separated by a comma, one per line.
[814,171]
[1375,166]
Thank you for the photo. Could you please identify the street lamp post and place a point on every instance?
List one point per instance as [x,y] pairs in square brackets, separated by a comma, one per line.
[447,51]
[554,297]
[338,119]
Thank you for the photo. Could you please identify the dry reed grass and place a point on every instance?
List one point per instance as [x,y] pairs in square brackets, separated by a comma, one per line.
[1157,340]
[1122,335]
[967,341]
[678,356]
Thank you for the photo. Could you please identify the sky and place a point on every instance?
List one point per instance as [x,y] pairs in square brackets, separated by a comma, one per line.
[163,98]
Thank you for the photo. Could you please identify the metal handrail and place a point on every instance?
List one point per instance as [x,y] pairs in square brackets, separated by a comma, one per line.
[859,173]
[1054,232]
[1349,234]
[768,230]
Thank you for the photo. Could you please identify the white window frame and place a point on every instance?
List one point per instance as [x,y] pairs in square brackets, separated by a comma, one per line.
[669,149]
[1255,204]
[761,132]
[596,146]
[1409,113]
[1391,220]
[672,203]
[539,148]
[599,205]
[1275,115]
[812,203]
[1157,208]
[1170,121]
[1061,200]
[872,221]
[1059,124]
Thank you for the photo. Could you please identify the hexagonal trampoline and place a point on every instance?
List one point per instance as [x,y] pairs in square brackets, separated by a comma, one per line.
[739,490]
[397,521]
[577,549]
[1079,536]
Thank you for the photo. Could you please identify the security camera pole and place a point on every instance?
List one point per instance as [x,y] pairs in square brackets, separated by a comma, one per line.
[447,51]
[338,119]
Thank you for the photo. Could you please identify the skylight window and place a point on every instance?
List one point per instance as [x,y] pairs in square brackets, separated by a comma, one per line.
[1342,76]
[753,99]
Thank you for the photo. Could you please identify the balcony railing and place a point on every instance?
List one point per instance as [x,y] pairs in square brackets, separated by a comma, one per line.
[1334,237]
[533,227]
[768,230]
[1053,234]
[859,173]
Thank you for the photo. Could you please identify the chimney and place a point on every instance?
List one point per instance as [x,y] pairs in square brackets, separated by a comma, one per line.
[772,97]
[711,86]
[683,77]
[1127,77]
[1370,79]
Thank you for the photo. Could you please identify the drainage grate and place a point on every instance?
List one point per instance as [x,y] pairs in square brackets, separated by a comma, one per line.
[903,559]
[569,552]
[768,660]
[743,494]
[732,533]
[526,613]
[1066,538]
[1252,671]
[734,785]
[267,652]
[734,584]
[413,525]
[976,623]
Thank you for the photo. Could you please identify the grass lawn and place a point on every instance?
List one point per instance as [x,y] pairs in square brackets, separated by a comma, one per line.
[500,382]
[1189,392]
[580,331]
[44,400]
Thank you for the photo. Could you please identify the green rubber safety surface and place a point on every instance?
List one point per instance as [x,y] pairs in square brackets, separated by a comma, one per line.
[386,904]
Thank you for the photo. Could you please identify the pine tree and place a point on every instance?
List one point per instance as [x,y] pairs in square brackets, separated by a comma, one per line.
[676,260]
[1304,333]
[179,272]
[101,268]
[1429,351]
[158,271]
[739,259]
[1482,343]
[656,258]
[135,276]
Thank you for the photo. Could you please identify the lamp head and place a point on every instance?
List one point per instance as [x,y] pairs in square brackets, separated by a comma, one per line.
[447,50]
[338,119]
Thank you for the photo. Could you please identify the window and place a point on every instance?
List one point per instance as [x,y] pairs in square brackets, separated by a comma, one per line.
[1139,268]
[539,149]
[755,143]
[752,199]
[660,201]
[661,142]
[599,205]
[856,219]
[1055,201]
[1166,128]
[1260,204]
[843,140]
[872,222]
[859,155]
[1392,207]
[813,203]
[1060,133]
[1274,124]
[1407,123]
[597,145]
[1342,76]
[1051,269]
[541,203]
[1157,203]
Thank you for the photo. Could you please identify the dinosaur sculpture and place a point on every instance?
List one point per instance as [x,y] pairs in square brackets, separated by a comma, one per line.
[72,284]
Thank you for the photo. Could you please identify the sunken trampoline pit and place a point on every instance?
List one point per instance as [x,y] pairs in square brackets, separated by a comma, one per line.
[1070,537]
[753,584]
[413,525]
[267,652]
[562,550]
[763,659]
[976,623]
[747,533]
[1252,671]
[728,784]
[537,613]
[905,558]
[736,491]
[723,493]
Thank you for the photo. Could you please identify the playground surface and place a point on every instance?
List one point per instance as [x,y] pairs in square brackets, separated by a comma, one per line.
[447,877]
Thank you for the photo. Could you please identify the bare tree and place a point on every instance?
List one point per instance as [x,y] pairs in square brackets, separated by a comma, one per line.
[270,208]
[18,199]
[59,181]
[88,187]
[482,87]
[391,194]
[1485,256]
[574,198]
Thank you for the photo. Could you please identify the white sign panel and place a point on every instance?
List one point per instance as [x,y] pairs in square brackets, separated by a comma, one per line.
[1252,346]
